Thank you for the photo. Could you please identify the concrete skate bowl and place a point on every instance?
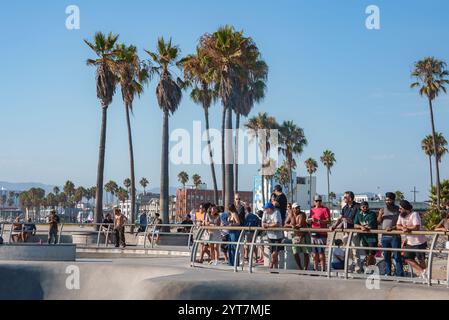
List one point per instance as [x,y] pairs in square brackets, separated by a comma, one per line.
[101,281]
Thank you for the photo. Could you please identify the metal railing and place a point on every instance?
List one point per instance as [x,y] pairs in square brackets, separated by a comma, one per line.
[349,247]
[106,230]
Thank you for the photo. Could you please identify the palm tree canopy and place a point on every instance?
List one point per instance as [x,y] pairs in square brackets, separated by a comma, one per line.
[106,65]
[183,177]
[429,150]
[431,77]
[232,58]
[144,182]
[168,92]
[328,159]
[131,73]
[311,165]
[291,139]
[127,182]
[196,180]
[262,122]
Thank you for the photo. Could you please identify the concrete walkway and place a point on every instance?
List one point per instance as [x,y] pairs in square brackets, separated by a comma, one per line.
[172,278]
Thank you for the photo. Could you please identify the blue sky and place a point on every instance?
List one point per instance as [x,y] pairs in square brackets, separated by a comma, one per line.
[347,86]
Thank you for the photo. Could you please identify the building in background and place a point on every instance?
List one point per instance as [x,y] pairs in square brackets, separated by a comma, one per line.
[302,188]
[191,198]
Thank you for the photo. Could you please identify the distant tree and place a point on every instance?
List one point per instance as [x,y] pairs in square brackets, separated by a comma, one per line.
[144,183]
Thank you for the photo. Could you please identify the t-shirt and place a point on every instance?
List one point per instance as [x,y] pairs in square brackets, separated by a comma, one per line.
[349,212]
[390,217]
[338,255]
[53,221]
[29,226]
[323,214]
[368,219]
[143,220]
[282,200]
[275,217]
[241,213]
[224,217]
[252,220]
[411,220]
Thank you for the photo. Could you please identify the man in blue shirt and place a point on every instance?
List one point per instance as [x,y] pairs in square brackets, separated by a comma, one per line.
[251,220]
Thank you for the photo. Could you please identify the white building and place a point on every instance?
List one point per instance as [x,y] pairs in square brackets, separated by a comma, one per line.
[305,191]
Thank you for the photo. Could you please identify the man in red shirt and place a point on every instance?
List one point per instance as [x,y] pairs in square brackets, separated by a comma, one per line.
[319,219]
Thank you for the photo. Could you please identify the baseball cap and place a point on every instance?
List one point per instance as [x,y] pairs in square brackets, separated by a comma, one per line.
[318,198]
[269,205]
[295,205]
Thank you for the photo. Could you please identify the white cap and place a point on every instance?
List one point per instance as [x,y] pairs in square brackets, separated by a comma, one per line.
[295,205]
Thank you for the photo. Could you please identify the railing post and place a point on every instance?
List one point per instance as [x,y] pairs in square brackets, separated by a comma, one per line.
[237,250]
[145,237]
[430,262]
[195,246]
[329,255]
[10,233]
[348,248]
[106,238]
[98,235]
[251,251]
[152,236]
[190,237]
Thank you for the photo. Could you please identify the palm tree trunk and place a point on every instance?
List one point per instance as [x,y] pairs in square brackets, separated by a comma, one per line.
[223,156]
[328,186]
[131,163]
[236,162]
[310,189]
[431,172]
[212,165]
[291,180]
[435,148]
[100,171]
[164,171]
[229,166]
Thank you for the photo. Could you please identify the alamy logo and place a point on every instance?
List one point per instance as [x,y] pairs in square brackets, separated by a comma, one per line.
[373,280]
[73,20]
[254,147]
[73,280]
[373,20]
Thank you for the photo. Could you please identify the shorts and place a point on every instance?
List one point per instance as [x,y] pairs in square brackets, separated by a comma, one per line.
[249,235]
[412,255]
[276,248]
[301,240]
[224,238]
[320,241]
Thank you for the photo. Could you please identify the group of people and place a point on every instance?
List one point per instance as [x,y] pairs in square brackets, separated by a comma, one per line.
[22,231]
[279,215]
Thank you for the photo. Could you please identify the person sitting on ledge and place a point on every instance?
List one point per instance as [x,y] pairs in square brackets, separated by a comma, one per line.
[16,232]
[157,229]
[29,229]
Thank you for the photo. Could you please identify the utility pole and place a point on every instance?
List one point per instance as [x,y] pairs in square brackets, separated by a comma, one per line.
[414,191]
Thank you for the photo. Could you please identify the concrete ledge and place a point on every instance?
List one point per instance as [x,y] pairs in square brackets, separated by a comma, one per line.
[36,252]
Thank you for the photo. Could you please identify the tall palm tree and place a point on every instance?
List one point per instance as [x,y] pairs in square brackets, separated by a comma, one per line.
[291,143]
[169,95]
[144,183]
[229,53]
[253,91]
[282,175]
[196,69]
[122,195]
[131,76]
[442,146]
[183,178]
[328,160]
[106,81]
[257,125]
[69,190]
[427,147]
[431,77]
[312,167]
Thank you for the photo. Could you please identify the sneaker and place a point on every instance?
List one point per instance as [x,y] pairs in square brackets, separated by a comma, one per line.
[215,263]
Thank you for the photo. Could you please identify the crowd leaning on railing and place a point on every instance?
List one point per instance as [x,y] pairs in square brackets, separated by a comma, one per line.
[392,233]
